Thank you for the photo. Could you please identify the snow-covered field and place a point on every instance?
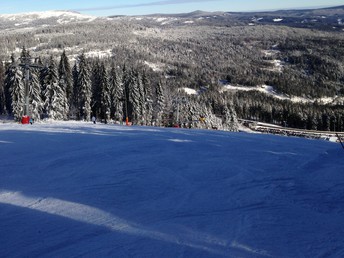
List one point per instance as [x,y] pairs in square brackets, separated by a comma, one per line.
[82,190]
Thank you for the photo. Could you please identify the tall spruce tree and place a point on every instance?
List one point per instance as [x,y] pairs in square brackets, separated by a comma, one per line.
[36,102]
[96,90]
[229,118]
[134,97]
[9,73]
[105,93]
[142,98]
[159,104]
[126,81]
[65,80]
[17,94]
[84,87]
[14,90]
[74,107]
[43,73]
[2,89]
[117,94]
[148,100]
[55,101]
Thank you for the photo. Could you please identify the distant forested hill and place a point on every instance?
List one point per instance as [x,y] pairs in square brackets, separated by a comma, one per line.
[299,53]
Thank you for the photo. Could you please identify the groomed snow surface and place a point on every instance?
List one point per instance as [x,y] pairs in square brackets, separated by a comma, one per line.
[82,190]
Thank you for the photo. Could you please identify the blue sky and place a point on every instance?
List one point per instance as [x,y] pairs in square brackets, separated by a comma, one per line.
[134,7]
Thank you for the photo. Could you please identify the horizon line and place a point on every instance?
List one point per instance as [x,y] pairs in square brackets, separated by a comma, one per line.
[166,13]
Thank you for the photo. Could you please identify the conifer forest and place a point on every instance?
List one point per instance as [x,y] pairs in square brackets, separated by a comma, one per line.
[205,70]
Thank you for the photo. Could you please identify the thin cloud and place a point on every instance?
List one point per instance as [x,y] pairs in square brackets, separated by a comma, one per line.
[155,3]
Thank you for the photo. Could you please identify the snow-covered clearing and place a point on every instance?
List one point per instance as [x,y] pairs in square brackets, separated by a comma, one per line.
[277,20]
[156,67]
[189,91]
[76,189]
[99,53]
[269,90]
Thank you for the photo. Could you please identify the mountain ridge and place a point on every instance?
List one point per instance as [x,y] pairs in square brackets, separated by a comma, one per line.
[196,13]
[51,18]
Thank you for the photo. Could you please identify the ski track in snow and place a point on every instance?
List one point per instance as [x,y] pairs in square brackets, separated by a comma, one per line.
[94,216]
[73,189]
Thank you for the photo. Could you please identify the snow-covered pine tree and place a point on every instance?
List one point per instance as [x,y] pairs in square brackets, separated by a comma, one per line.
[43,73]
[105,93]
[117,94]
[74,107]
[14,83]
[60,104]
[96,89]
[142,98]
[226,116]
[17,94]
[55,101]
[229,118]
[84,88]
[9,73]
[2,89]
[126,80]
[36,103]
[193,109]
[148,99]
[47,89]
[65,80]
[134,97]
[159,104]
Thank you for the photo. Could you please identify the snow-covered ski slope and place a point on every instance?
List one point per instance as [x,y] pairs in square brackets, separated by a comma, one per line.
[84,190]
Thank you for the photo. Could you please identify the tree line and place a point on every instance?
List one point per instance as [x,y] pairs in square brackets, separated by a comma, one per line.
[89,88]
[113,92]
[108,91]
[311,116]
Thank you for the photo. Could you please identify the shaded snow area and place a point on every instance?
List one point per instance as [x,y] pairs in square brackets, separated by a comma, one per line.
[82,190]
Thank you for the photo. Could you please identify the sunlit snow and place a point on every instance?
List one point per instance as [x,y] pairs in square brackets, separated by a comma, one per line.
[277,20]
[190,91]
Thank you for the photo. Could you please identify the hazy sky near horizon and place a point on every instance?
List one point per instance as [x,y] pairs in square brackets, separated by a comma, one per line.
[137,7]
